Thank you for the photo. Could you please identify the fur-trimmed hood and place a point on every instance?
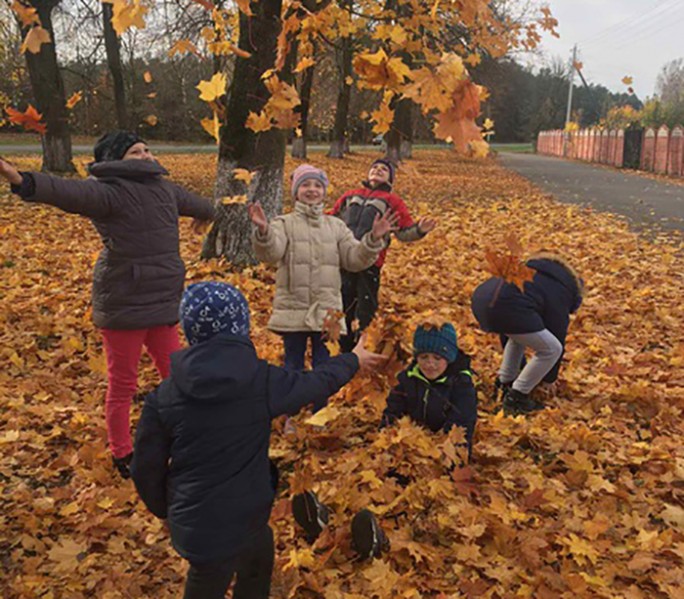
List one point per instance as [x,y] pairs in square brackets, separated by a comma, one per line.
[534,262]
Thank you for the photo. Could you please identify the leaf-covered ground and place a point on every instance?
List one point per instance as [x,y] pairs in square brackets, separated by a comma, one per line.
[583,500]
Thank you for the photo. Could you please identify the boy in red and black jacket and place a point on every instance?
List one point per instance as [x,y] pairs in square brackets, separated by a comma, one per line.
[359,208]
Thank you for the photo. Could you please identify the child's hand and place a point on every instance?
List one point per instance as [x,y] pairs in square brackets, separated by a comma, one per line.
[258,217]
[426,224]
[367,360]
[383,225]
[9,172]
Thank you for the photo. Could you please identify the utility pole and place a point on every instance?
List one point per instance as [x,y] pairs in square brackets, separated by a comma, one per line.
[568,114]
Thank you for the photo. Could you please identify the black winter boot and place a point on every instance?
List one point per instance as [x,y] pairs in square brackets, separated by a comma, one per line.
[516,403]
[310,514]
[500,389]
[123,465]
[368,537]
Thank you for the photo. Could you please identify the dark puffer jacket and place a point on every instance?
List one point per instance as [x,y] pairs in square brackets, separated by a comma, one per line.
[554,293]
[358,209]
[448,401]
[139,275]
[201,448]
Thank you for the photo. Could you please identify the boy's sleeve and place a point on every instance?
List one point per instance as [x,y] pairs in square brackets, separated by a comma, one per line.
[270,247]
[150,464]
[193,205]
[408,230]
[89,197]
[289,391]
[339,204]
[463,399]
[357,255]
[396,406]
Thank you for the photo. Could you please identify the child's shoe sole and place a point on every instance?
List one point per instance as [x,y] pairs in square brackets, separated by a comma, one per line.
[310,514]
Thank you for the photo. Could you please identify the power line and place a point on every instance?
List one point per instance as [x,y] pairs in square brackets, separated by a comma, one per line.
[647,33]
[630,25]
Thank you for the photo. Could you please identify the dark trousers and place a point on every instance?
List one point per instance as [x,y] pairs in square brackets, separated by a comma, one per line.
[252,568]
[360,300]
[295,349]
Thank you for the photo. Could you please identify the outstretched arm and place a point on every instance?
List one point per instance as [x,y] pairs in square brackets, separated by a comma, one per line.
[193,205]
[87,198]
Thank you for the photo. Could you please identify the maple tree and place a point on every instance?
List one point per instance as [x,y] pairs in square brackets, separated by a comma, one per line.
[582,500]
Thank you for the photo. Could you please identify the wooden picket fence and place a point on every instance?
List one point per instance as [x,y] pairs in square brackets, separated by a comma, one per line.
[656,150]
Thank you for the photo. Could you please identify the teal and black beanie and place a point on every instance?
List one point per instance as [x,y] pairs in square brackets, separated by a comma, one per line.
[430,339]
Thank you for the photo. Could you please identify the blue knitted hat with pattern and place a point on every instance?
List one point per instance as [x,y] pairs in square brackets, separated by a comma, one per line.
[433,340]
[211,307]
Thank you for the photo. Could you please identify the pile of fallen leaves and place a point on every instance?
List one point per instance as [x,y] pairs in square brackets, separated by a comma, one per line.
[582,500]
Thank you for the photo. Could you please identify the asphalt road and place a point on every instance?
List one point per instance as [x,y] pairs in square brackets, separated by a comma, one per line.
[646,202]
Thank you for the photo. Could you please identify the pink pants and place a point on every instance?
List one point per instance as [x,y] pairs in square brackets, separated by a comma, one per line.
[123,349]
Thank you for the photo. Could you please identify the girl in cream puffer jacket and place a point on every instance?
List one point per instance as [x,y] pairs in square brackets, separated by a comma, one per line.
[310,248]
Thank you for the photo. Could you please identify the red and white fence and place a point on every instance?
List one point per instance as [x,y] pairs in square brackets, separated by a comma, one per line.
[661,150]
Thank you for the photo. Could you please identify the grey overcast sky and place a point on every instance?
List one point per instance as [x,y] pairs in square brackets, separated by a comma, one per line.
[616,38]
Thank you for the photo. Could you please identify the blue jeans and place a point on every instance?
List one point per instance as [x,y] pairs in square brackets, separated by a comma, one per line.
[295,349]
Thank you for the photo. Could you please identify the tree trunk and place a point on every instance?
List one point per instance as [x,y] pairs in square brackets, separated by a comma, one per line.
[299,143]
[337,146]
[240,147]
[48,91]
[400,136]
[113,50]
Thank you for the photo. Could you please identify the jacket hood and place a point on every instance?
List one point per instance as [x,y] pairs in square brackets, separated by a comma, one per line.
[127,169]
[558,268]
[213,371]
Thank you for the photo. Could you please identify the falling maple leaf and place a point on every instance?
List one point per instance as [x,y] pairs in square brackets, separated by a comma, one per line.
[258,122]
[183,47]
[30,119]
[127,14]
[627,80]
[242,174]
[151,120]
[509,266]
[213,89]
[212,126]
[331,328]
[35,38]
[304,64]
[147,77]
[229,200]
[382,117]
[75,98]
[27,14]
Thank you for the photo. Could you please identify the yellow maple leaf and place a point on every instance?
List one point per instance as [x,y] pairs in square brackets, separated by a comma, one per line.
[242,174]
[383,118]
[473,59]
[228,200]
[258,122]
[627,80]
[151,120]
[66,554]
[183,47]
[75,98]
[212,126]
[479,148]
[213,89]
[323,416]
[304,64]
[35,38]
[147,77]
[27,14]
[128,14]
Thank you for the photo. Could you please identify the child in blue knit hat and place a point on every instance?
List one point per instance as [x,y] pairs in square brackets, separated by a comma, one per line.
[437,389]
[201,449]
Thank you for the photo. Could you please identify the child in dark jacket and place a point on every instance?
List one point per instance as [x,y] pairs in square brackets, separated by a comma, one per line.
[359,208]
[139,274]
[437,388]
[201,450]
[537,318]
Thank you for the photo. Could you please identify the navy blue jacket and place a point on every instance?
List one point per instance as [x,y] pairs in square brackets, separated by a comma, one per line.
[548,300]
[201,447]
[439,404]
